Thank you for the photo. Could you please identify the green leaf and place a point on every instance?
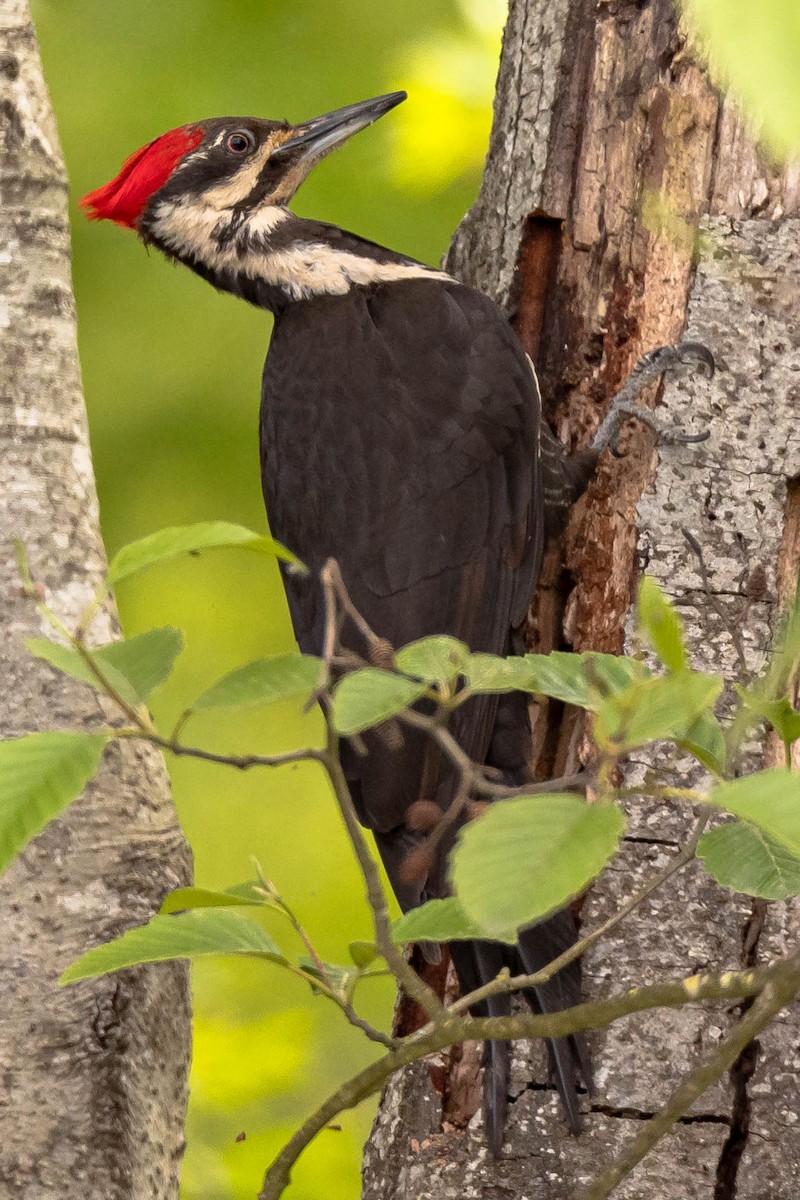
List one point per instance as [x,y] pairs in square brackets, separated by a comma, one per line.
[363,954]
[662,625]
[279,677]
[781,714]
[582,679]
[664,708]
[435,659]
[370,696]
[560,675]
[195,934]
[706,741]
[336,977]
[168,543]
[525,857]
[745,859]
[439,921]
[134,667]
[250,895]
[767,799]
[488,673]
[40,774]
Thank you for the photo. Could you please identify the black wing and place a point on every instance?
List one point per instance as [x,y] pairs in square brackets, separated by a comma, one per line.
[400,433]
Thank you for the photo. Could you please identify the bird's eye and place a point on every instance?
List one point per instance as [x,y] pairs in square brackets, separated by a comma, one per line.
[240,142]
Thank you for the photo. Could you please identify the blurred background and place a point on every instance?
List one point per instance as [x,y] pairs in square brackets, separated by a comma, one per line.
[172,376]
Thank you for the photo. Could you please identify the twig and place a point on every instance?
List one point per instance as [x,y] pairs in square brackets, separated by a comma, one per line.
[325,984]
[406,976]
[731,985]
[332,581]
[780,989]
[479,783]
[242,762]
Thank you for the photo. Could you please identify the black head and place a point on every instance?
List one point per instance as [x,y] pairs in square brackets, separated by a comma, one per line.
[226,165]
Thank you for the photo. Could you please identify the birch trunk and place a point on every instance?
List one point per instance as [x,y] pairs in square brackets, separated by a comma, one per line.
[624,205]
[92,1077]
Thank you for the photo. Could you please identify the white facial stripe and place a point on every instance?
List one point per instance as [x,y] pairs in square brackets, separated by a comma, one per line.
[232,191]
[191,228]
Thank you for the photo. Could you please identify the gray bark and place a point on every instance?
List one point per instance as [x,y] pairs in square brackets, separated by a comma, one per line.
[92,1077]
[623,205]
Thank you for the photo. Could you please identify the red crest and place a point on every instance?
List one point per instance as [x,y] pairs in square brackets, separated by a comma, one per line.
[123,199]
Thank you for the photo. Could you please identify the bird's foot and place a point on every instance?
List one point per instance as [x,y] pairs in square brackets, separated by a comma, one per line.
[682,359]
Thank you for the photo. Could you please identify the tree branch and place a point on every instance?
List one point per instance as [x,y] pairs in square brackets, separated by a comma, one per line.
[451,1030]
[779,990]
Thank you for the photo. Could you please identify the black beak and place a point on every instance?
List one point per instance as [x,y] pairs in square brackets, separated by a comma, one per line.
[323,133]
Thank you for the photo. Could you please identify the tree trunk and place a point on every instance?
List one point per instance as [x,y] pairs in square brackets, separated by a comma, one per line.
[93,1077]
[624,206]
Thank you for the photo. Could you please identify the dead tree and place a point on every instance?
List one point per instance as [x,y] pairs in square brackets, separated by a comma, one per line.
[625,205]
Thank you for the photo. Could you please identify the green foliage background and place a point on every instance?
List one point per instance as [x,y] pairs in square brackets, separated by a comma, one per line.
[172,376]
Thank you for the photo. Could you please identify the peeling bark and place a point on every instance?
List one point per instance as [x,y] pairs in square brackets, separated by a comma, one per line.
[92,1077]
[625,205]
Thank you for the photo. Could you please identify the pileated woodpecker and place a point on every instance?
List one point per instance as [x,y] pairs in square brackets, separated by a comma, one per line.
[400,434]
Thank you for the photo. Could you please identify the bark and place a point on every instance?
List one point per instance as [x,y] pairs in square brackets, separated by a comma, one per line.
[93,1091]
[624,204]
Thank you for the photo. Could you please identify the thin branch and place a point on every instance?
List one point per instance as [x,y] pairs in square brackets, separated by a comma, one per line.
[325,983]
[242,762]
[332,582]
[479,783]
[406,976]
[780,990]
[731,985]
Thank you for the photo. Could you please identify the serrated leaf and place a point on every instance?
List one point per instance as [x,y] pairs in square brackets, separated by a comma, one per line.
[40,774]
[769,800]
[67,660]
[335,976]
[168,543]
[134,667]
[279,677]
[196,934]
[249,895]
[663,708]
[370,696]
[526,857]
[706,741]
[434,659]
[559,675]
[781,714]
[582,679]
[486,673]
[439,921]
[661,624]
[746,859]
[363,954]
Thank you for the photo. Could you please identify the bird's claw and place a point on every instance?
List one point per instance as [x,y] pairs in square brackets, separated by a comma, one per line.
[682,359]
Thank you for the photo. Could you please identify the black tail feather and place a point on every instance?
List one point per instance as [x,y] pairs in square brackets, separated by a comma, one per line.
[478,963]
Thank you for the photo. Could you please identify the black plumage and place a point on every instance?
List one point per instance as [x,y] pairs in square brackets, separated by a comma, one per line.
[401,434]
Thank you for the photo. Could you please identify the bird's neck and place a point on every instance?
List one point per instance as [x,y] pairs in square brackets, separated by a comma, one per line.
[271,257]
